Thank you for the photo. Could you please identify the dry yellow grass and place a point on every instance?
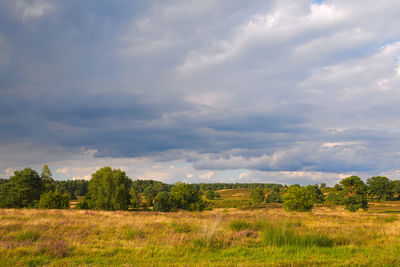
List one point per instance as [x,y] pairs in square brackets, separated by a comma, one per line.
[193,238]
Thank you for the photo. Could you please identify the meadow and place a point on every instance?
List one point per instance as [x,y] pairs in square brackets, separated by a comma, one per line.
[263,235]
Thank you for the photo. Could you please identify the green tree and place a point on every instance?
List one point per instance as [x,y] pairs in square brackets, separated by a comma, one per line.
[23,189]
[162,202]
[355,193]
[187,197]
[323,185]
[274,196]
[318,195]
[109,190]
[136,199]
[47,178]
[395,185]
[257,195]
[298,198]
[210,194]
[381,187]
[54,200]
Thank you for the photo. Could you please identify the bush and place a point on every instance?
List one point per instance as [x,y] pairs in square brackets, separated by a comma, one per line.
[54,200]
[298,199]
[257,195]
[210,194]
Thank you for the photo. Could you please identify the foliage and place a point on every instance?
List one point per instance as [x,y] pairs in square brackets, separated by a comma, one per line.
[109,190]
[23,189]
[381,187]
[186,196]
[299,198]
[210,194]
[47,179]
[257,195]
[355,193]
[317,193]
[162,202]
[54,200]
[73,187]
[336,198]
[274,196]
[136,199]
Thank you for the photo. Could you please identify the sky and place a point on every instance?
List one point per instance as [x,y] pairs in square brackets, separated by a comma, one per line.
[279,91]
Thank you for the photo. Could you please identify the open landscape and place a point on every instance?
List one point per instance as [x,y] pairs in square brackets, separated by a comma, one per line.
[265,235]
[199,133]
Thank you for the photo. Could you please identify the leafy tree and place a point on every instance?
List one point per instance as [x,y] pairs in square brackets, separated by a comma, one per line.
[298,198]
[150,192]
[336,197]
[186,196]
[54,200]
[210,194]
[109,190]
[395,185]
[381,187]
[323,185]
[136,199]
[257,195]
[355,193]
[162,202]
[318,195]
[23,189]
[274,196]
[47,178]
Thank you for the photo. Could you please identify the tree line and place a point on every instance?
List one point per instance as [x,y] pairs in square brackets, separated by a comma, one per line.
[112,189]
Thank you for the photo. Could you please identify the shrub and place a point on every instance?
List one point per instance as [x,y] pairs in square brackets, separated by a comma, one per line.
[54,200]
[298,199]
[210,194]
[257,195]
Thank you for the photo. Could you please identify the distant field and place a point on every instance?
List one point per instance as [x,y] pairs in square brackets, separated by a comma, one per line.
[261,236]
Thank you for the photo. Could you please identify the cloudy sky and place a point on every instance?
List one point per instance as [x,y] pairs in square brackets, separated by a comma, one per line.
[201,91]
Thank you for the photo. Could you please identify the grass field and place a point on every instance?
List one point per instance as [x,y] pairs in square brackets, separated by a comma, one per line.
[267,236]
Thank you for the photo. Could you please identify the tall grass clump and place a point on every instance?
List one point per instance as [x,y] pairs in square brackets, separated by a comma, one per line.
[284,235]
[239,225]
[27,235]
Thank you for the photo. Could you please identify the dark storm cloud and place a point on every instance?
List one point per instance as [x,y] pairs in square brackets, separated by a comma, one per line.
[277,86]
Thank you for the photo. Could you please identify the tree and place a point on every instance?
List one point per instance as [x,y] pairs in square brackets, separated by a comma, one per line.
[136,199]
[298,198]
[162,202]
[381,187]
[395,185]
[323,185]
[257,195]
[23,189]
[318,195]
[355,193]
[54,200]
[47,178]
[274,196]
[109,190]
[186,196]
[210,194]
